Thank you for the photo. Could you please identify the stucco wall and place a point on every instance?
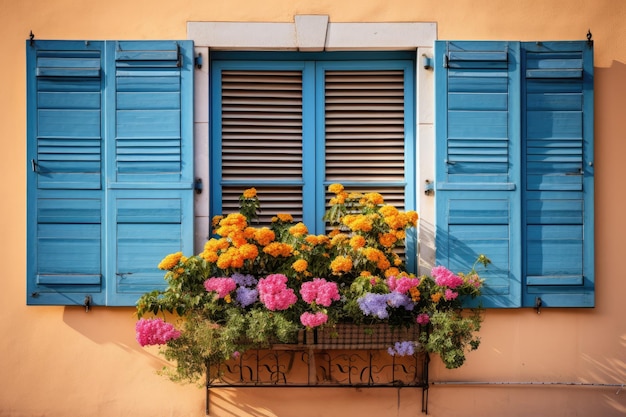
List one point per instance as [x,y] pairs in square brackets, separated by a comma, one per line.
[60,361]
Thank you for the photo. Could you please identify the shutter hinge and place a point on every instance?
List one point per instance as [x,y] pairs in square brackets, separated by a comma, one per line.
[34,165]
[179,64]
[31,38]
[198,61]
[445,61]
[589,40]
[197,185]
[538,304]
[87,303]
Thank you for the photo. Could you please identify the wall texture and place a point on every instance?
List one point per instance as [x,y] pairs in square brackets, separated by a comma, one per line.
[61,361]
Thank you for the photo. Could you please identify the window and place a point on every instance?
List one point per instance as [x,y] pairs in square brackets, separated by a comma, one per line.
[290,124]
[514,181]
[109,149]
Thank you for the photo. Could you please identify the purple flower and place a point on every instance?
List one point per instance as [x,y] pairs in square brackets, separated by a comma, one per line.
[374,305]
[246,296]
[244,280]
[405,348]
[396,299]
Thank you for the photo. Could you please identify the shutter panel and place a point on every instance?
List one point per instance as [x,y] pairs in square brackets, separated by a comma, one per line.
[258,115]
[65,197]
[477,151]
[367,121]
[151,170]
[558,144]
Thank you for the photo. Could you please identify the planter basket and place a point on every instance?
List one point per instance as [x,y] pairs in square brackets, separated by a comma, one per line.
[359,337]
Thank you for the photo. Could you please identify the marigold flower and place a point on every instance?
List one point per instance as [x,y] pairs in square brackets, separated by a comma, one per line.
[170,261]
[436,297]
[415,294]
[248,251]
[216,220]
[388,210]
[413,217]
[284,217]
[387,239]
[277,249]
[249,193]
[298,230]
[300,265]
[341,264]
[335,188]
[373,198]
[264,236]
[357,242]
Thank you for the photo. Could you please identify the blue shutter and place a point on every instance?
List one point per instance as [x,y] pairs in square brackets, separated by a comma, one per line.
[477,153]
[64,151]
[113,113]
[150,164]
[515,168]
[558,171]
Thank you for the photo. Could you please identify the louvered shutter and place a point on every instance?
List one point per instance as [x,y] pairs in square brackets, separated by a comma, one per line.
[150,172]
[65,154]
[110,167]
[477,146]
[558,159]
[258,118]
[368,117]
[541,229]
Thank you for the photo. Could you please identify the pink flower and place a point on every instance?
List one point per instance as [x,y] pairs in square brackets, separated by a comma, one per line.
[320,292]
[450,295]
[155,332]
[313,319]
[402,284]
[422,319]
[222,286]
[274,293]
[445,278]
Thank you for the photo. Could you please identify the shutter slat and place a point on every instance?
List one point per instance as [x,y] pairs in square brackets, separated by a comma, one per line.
[364,125]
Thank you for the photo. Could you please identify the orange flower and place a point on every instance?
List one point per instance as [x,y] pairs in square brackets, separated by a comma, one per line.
[335,188]
[300,265]
[341,264]
[436,297]
[357,242]
[283,217]
[415,294]
[249,193]
[170,261]
[298,230]
[264,236]
[387,239]
[248,251]
[277,249]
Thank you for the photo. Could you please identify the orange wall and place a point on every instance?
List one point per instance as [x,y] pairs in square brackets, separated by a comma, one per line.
[61,362]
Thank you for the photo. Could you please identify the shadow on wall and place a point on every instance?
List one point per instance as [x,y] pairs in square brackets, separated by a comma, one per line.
[109,325]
